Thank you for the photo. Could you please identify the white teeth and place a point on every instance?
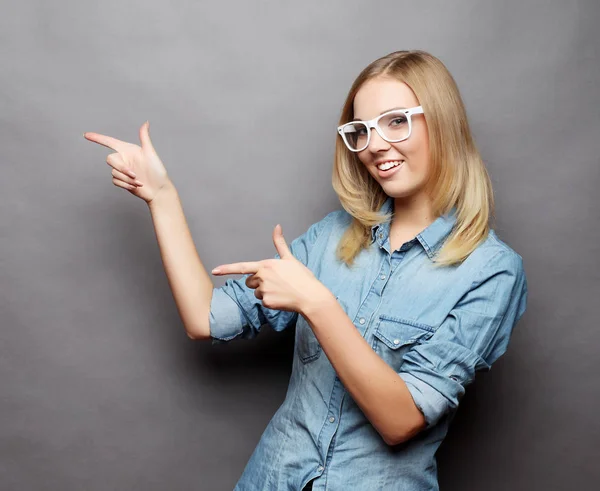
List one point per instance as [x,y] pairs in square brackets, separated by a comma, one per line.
[389,165]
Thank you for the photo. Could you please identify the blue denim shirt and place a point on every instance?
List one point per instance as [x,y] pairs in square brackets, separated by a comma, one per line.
[434,327]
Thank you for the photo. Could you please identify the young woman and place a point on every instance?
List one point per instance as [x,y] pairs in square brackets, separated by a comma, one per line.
[397,300]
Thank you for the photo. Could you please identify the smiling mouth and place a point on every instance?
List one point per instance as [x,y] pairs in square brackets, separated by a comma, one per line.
[389,164]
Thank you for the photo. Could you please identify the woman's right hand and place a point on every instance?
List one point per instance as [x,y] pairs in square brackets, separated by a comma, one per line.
[137,169]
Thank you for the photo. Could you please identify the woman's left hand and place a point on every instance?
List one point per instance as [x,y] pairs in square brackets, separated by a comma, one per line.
[282,284]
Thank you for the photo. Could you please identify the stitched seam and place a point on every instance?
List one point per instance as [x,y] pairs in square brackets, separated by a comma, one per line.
[476,338]
[269,479]
[399,320]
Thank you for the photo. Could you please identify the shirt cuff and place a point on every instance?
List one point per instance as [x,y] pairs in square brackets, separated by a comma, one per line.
[429,401]
[226,320]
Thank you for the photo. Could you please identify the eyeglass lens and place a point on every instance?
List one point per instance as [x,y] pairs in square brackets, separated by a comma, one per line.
[394,127]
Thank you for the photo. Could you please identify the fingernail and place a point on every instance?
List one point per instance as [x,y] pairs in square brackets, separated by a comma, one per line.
[216,271]
[139,183]
[132,174]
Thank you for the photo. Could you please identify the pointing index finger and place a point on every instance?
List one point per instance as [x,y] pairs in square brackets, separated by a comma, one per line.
[107,141]
[237,268]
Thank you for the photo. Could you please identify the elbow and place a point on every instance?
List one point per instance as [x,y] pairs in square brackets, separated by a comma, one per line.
[403,429]
[398,438]
[192,335]
[197,334]
[395,439]
[197,323]
[404,432]
[197,337]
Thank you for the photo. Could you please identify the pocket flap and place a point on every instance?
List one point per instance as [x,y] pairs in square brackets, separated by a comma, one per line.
[395,332]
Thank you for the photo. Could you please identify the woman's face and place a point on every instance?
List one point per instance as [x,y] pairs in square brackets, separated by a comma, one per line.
[377,96]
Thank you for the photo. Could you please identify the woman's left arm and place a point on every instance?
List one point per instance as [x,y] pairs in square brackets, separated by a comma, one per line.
[381,394]
[433,375]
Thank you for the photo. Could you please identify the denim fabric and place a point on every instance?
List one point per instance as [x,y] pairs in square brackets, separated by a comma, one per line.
[434,327]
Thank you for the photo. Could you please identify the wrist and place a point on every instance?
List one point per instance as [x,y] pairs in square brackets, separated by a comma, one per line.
[166,193]
[320,298]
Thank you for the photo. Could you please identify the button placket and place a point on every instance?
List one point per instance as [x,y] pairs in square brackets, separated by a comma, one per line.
[383,277]
[373,300]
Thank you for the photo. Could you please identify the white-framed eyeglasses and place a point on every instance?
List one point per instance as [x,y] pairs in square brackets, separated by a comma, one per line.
[393,126]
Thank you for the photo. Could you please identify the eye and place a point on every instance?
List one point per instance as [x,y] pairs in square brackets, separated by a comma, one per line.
[397,121]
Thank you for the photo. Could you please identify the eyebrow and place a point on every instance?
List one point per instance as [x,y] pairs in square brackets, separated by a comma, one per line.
[387,110]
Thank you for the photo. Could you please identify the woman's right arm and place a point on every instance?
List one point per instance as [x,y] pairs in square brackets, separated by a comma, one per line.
[139,170]
[190,283]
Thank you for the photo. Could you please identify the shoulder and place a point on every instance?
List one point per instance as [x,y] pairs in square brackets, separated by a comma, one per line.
[338,220]
[314,235]
[332,221]
[494,255]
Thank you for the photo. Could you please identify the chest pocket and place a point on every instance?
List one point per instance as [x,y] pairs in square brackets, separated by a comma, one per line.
[393,337]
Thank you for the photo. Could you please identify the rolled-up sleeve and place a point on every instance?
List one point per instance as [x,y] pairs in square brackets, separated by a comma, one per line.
[475,333]
[235,312]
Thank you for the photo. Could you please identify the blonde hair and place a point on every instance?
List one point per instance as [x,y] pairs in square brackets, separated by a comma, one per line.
[458,176]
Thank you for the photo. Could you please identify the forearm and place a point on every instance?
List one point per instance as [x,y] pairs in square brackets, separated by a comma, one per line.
[376,388]
[190,283]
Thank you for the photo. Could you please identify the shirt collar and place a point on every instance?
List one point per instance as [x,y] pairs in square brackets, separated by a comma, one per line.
[431,238]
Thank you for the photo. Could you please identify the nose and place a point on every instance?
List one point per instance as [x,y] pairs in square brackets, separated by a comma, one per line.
[377,144]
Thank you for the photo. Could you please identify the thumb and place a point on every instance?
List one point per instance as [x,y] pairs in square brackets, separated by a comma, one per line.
[280,244]
[145,137]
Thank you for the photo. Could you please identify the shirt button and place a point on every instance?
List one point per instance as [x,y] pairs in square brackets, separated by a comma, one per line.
[332,419]
[396,341]
[362,320]
[320,468]
[382,277]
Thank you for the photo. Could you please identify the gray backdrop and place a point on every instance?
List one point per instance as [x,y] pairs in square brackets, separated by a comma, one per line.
[101,388]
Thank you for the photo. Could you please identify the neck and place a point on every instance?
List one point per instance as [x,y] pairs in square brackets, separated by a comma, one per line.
[413,213]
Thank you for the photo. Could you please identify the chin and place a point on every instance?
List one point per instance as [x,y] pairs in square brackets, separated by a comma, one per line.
[399,192]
